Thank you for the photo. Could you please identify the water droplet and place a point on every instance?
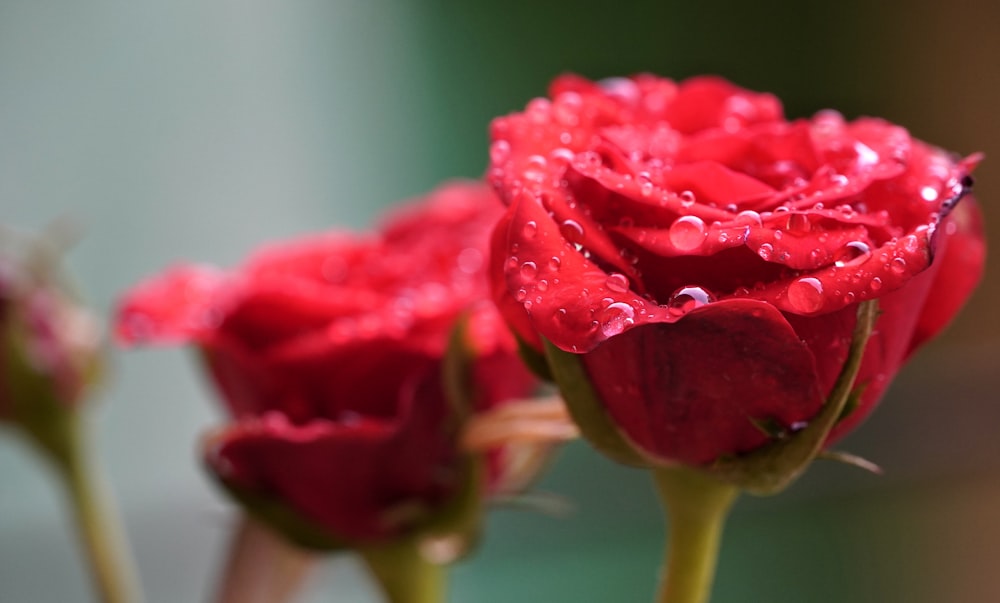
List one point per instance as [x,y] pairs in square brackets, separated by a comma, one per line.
[538,110]
[910,244]
[563,154]
[554,263]
[688,298]
[798,223]
[512,262]
[521,294]
[616,318]
[765,251]
[855,251]
[535,169]
[748,217]
[542,285]
[499,151]
[530,229]
[687,233]
[571,231]
[528,271]
[876,284]
[687,198]
[898,265]
[806,295]
[617,282]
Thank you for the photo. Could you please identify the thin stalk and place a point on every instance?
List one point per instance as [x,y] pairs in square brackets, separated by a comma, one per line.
[97,524]
[405,574]
[696,506]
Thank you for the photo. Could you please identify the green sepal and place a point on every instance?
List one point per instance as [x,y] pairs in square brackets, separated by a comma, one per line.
[457,372]
[35,406]
[534,360]
[587,410]
[772,468]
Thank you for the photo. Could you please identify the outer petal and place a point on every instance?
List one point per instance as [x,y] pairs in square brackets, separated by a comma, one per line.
[696,389]
[958,266]
[179,305]
[364,479]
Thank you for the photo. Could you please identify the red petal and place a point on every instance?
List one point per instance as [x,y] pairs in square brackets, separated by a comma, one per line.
[335,475]
[958,268]
[179,305]
[691,391]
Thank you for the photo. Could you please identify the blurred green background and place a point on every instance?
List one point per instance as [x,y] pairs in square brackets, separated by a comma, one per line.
[197,129]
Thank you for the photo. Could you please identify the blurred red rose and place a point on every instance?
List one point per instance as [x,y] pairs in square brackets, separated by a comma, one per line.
[328,352]
[706,257]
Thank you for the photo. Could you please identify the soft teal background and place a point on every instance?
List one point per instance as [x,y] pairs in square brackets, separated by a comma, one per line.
[198,129]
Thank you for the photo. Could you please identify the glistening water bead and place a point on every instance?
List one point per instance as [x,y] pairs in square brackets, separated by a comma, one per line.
[806,294]
[615,318]
[687,233]
[688,298]
[617,282]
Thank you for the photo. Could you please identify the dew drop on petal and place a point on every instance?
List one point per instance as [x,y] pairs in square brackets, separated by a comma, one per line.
[806,294]
[798,223]
[562,154]
[687,198]
[535,169]
[853,252]
[571,231]
[910,244]
[748,217]
[554,263]
[876,284]
[499,151]
[687,233]
[685,299]
[765,251]
[617,282]
[616,317]
[530,229]
[528,271]
[521,294]
[898,265]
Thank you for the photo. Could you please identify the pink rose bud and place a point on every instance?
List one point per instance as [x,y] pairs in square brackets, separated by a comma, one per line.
[705,257]
[49,346]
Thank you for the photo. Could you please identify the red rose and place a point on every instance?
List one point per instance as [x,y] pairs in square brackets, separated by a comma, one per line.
[328,352]
[706,257]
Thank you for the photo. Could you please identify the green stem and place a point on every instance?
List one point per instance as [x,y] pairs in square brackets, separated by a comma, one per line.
[404,574]
[696,507]
[97,524]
